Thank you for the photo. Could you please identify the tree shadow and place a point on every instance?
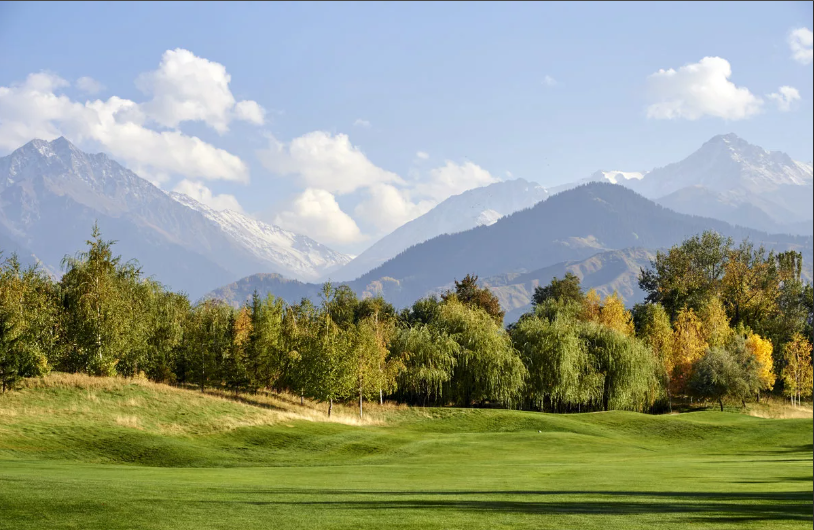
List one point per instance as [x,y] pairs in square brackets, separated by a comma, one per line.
[701,506]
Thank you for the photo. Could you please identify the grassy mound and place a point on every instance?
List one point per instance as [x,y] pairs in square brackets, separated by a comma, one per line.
[81,452]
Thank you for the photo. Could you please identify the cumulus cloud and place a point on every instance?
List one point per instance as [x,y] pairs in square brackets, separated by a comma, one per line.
[422,155]
[700,89]
[89,85]
[204,195]
[323,161]
[190,88]
[359,122]
[388,207]
[452,179]
[800,41]
[35,108]
[549,81]
[316,213]
[785,97]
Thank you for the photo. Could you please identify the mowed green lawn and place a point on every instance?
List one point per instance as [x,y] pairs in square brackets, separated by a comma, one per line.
[79,454]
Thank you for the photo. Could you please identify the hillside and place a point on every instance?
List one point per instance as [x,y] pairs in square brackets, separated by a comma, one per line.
[80,452]
[475,207]
[560,234]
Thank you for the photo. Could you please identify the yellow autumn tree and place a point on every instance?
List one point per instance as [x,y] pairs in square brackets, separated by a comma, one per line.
[658,335]
[714,323]
[688,346]
[797,374]
[614,315]
[761,349]
[591,306]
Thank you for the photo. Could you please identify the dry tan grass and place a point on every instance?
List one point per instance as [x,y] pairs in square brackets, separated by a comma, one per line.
[262,408]
[128,421]
[773,408]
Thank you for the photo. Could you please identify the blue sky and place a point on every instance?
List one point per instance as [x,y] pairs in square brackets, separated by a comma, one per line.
[345,95]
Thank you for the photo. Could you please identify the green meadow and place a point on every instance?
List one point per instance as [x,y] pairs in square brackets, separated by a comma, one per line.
[82,452]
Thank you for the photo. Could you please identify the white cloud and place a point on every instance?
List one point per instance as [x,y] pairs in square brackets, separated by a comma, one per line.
[422,155]
[784,97]
[361,123]
[549,81]
[326,162]
[388,207]
[190,88]
[700,89]
[89,85]
[316,213]
[203,195]
[250,111]
[36,109]
[800,41]
[452,179]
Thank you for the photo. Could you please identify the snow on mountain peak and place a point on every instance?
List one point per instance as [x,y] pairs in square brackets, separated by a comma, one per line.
[304,257]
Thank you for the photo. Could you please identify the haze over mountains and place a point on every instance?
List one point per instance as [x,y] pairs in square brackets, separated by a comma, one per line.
[51,193]
[476,207]
[559,234]
[514,234]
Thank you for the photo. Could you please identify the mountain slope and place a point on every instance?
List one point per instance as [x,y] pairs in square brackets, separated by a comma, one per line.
[51,193]
[733,180]
[476,207]
[583,229]
[297,255]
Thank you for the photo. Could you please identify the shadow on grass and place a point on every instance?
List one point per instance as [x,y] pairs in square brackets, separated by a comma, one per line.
[700,506]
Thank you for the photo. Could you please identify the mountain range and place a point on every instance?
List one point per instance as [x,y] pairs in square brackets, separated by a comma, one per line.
[475,207]
[603,232]
[51,193]
[512,233]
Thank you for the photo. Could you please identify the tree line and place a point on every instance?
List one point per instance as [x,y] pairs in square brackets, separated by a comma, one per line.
[719,322]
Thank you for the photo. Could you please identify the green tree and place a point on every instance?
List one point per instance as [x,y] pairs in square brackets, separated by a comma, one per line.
[470,294]
[567,289]
[98,308]
[430,356]
[687,274]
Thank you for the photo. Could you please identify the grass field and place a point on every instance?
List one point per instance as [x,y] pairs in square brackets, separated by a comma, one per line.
[77,452]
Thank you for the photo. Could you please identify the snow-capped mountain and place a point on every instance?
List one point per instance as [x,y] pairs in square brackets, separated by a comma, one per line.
[614,177]
[728,179]
[476,207]
[51,193]
[301,256]
[731,179]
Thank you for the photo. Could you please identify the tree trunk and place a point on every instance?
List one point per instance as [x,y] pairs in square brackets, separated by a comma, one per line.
[721,403]
[381,397]
[330,406]
[301,403]
[360,402]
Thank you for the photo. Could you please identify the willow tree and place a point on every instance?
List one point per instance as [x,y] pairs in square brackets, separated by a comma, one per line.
[429,356]
[487,366]
[625,364]
[557,362]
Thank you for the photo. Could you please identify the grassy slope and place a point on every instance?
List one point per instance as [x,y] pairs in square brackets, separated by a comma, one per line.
[77,452]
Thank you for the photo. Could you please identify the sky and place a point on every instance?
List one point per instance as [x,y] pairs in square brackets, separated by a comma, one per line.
[342,121]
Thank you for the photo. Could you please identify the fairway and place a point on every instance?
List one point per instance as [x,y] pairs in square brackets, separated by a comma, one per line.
[79,453]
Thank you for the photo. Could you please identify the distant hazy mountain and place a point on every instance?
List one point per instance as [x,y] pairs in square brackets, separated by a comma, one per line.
[729,179]
[296,255]
[476,207]
[51,193]
[614,177]
[614,270]
[592,220]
